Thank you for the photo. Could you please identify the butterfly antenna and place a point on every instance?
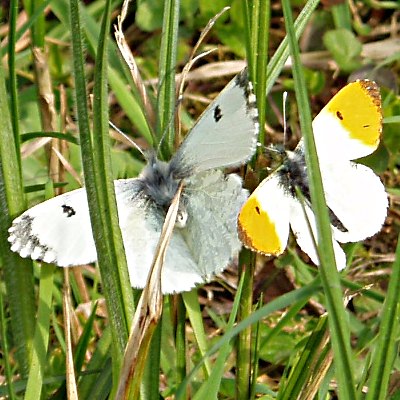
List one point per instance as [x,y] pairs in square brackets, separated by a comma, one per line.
[284,97]
[127,138]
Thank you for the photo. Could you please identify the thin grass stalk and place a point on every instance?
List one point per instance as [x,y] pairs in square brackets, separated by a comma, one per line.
[279,303]
[165,136]
[338,323]
[244,342]
[191,300]
[12,79]
[39,11]
[280,56]
[130,61]
[301,369]
[180,339]
[6,351]
[34,385]
[115,265]
[18,274]
[98,183]
[257,28]
[166,86]
[38,28]
[116,71]
[256,353]
[12,23]
[149,388]
[98,362]
[210,388]
[388,341]
[72,392]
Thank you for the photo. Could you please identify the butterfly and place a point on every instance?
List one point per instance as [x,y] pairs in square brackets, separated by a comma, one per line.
[347,128]
[205,236]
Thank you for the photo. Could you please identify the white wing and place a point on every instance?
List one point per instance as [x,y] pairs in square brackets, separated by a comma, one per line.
[226,133]
[141,222]
[350,125]
[59,231]
[197,251]
[213,201]
[357,197]
[56,231]
[264,219]
[304,238]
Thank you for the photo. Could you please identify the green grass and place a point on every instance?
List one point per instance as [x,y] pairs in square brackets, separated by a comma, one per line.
[261,332]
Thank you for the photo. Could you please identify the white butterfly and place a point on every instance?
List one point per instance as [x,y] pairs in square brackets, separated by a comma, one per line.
[205,238]
[347,128]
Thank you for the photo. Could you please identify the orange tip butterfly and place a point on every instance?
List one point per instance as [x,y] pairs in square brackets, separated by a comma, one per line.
[348,127]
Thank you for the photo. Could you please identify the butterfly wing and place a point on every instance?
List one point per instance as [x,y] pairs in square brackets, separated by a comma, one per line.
[357,198]
[300,226]
[56,231]
[59,231]
[141,222]
[264,219]
[226,133]
[213,201]
[350,125]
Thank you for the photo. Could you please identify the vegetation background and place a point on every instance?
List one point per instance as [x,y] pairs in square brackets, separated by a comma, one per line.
[260,331]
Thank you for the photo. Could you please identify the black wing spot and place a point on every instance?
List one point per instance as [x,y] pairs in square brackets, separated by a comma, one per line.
[258,210]
[217,113]
[366,126]
[339,115]
[68,210]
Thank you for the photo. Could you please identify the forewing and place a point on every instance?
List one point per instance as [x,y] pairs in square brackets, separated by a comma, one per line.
[350,125]
[226,133]
[213,201]
[56,231]
[357,197]
[263,221]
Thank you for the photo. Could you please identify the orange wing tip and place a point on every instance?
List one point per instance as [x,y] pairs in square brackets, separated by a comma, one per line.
[257,231]
[358,109]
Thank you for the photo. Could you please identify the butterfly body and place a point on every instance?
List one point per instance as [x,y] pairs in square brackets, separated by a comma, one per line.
[205,236]
[348,127]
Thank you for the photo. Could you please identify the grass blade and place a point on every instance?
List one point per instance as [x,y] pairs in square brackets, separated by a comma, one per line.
[209,389]
[339,329]
[282,53]
[17,272]
[258,22]
[42,333]
[279,303]
[101,197]
[167,64]
[387,344]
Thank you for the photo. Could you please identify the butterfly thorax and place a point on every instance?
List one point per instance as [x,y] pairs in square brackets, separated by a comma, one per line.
[158,182]
[160,185]
[293,173]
